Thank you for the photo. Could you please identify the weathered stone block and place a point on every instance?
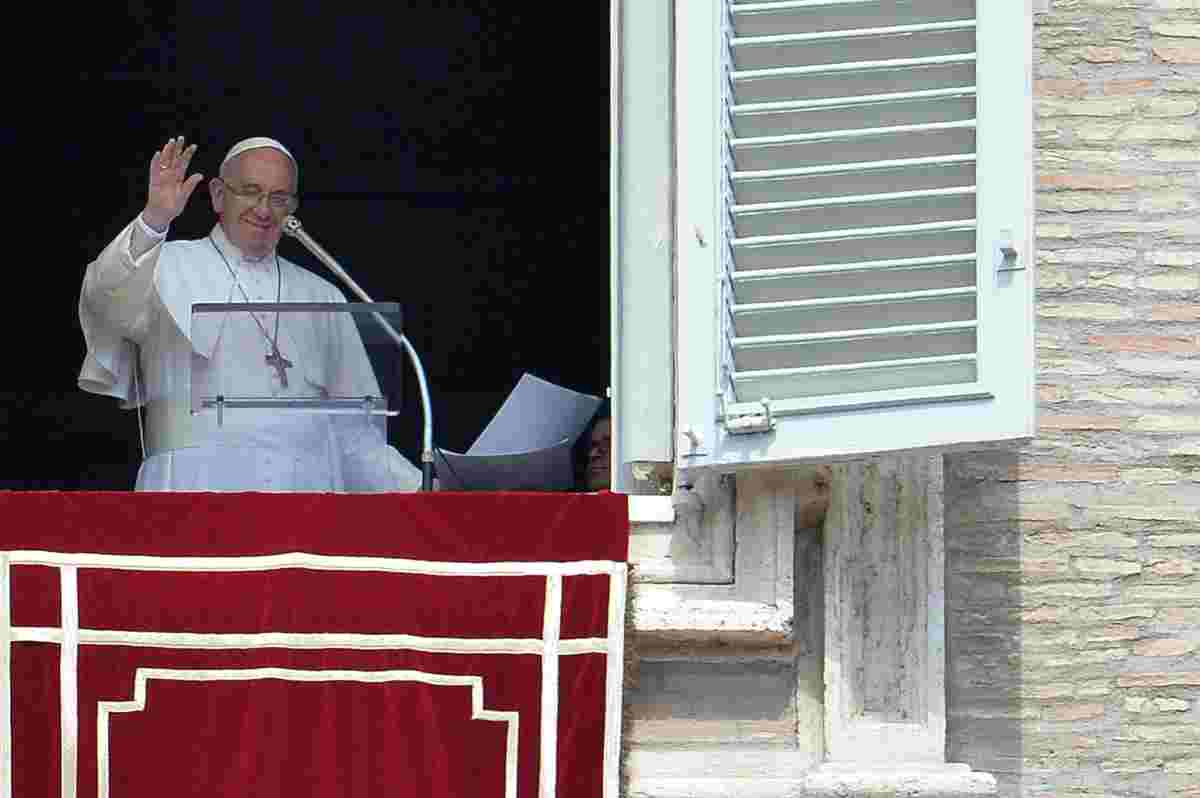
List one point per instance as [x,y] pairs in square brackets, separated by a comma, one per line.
[1074,712]
[1179,679]
[1054,231]
[1180,616]
[1177,258]
[1160,367]
[1091,107]
[1189,766]
[1097,311]
[1163,648]
[1111,279]
[1162,734]
[1158,476]
[1177,28]
[1158,132]
[1081,201]
[1088,255]
[1109,55]
[1105,569]
[1174,51]
[1171,705]
[1082,659]
[1066,421]
[1164,108]
[1162,423]
[1059,88]
[1113,634]
[1108,540]
[740,702]
[1176,154]
[1181,312]
[1129,86]
[1090,615]
[1174,281]
[1173,568]
[1174,541]
[1165,593]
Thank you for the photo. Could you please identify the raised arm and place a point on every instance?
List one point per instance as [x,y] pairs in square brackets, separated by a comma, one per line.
[118,284]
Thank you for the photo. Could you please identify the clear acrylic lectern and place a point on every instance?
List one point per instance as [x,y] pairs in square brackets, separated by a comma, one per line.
[314,379]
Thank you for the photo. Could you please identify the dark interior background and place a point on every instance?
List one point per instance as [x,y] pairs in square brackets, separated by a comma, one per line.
[453,157]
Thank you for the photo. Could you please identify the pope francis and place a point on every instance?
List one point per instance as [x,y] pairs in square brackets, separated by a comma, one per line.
[144,348]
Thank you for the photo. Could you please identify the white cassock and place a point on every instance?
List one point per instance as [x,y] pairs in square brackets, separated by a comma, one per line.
[140,291]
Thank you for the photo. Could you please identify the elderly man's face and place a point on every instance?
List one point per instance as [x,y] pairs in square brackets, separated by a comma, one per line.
[599,463]
[254,226]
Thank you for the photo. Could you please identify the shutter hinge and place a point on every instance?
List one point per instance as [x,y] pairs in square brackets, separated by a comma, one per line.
[749,423]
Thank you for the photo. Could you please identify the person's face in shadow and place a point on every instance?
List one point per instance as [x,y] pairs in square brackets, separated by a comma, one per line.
[599,460]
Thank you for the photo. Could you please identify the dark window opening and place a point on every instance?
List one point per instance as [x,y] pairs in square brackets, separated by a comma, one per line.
[454,160]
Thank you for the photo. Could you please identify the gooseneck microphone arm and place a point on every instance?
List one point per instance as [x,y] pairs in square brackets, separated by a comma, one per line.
[291,226]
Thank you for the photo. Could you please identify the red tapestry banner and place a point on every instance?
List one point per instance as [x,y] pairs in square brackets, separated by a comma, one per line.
[316,644]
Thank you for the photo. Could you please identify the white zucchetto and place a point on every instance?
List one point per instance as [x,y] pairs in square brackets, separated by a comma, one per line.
[257,142]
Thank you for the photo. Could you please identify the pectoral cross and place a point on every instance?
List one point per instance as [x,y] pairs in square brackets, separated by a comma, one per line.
[278,362]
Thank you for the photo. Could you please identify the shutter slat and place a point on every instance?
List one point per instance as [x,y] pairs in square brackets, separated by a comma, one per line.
[848,367]
[801,338]
[861,199]
[871,400]
[872,65]
[862,349]
[833,268]
[834,213]
[782,188]
[858,378]
[868,99]
[815,316]
[839,47]
[853,299]
[841,279]
[847,168]
[858,146]
[806,251]
[854,133]
[833,216]
[901,114]
[893,30]
[855,233]
[751,19]
[787,87]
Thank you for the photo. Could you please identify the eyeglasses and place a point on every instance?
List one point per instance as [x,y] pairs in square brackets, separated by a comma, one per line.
[279,201]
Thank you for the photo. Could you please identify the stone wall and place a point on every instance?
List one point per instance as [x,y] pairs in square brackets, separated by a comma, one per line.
[1073,586]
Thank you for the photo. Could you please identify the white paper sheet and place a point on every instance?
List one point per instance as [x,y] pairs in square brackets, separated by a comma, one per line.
[541,469]
[527,444]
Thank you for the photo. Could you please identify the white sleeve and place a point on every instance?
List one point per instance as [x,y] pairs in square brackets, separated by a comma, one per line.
[116,306]
[118,285]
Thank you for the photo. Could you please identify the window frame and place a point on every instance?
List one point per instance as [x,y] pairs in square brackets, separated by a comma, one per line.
[1001,411]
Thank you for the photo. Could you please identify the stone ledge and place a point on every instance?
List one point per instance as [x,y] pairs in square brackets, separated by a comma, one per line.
[909,781]
[832,781]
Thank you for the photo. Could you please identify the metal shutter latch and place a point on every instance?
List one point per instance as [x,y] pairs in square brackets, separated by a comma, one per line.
[1007,257]
[751,423]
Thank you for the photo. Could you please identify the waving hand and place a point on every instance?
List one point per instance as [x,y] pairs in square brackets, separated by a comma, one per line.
[170,187]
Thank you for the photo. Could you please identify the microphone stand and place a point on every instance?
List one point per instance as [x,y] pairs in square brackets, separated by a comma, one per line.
[291,226]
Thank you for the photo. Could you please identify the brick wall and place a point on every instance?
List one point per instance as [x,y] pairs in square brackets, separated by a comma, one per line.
[1074,564]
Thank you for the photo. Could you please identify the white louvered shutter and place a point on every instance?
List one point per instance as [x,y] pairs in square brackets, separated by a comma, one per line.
[850,174]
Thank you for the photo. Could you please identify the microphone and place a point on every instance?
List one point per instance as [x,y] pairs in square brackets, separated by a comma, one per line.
[293,228]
